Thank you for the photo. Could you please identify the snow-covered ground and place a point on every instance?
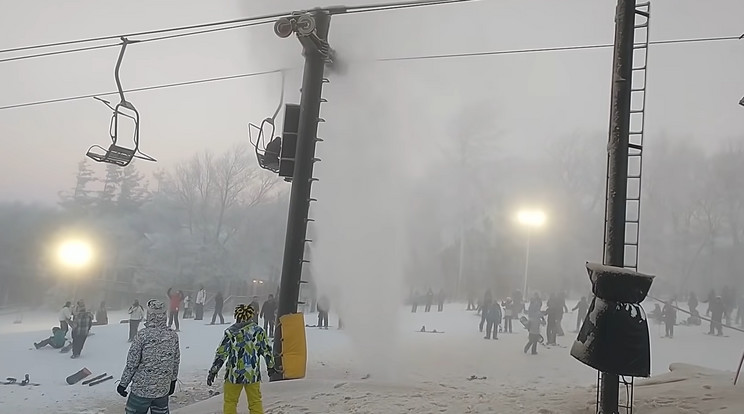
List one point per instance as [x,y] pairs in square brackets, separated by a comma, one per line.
[411,372]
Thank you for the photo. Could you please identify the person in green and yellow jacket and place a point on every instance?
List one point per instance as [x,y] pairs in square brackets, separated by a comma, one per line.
[242,345]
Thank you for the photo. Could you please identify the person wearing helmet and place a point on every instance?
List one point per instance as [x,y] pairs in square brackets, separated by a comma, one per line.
[242,345]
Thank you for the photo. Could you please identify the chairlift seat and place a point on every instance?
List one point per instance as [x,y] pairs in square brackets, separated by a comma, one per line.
[114,155]
[270,163]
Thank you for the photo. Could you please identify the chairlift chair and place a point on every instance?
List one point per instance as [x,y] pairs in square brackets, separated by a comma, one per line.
[267,153]
[117,154]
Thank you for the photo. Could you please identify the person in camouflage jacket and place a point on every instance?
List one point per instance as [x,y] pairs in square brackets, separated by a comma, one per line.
[152,364]
[242,345]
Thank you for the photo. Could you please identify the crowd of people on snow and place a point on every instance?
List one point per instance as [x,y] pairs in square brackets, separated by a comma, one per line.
[152,364]
[498,316]
[726,309]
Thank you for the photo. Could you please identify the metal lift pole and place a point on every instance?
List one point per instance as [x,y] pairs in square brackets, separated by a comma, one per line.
[617,166]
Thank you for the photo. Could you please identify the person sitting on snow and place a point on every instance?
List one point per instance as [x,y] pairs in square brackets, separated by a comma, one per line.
[242,345]
[56,341]
[152,364]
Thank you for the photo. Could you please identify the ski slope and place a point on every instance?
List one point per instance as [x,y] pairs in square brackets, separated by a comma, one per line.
[409,372]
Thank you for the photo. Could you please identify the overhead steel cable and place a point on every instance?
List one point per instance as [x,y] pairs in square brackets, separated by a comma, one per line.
[144,88]
[257,20]
[550,49]
[268,18]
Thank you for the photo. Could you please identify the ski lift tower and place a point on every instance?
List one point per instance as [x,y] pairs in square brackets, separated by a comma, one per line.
[311,28]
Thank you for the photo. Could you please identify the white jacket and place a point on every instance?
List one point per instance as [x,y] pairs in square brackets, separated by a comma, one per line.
[201,297]
[136,313]
[65,314]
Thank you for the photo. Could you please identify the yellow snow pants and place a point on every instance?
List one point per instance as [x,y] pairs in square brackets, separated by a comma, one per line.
[232,396]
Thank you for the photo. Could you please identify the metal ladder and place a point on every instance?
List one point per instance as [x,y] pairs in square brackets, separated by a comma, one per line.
[308,253]
[635,136]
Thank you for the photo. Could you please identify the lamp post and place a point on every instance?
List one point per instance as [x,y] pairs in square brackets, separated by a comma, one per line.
[531,219]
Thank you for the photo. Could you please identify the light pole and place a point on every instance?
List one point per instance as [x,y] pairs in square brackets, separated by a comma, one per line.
[531,219]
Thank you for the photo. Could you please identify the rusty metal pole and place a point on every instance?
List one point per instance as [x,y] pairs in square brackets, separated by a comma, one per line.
[617,167]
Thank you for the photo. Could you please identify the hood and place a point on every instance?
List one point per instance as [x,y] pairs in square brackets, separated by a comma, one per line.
[156,315]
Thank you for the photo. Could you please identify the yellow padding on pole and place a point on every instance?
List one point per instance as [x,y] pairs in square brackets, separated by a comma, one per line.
[294,346]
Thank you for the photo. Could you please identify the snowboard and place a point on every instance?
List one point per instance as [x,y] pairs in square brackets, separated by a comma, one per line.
[101,380]
[26,381]
[434,331]
[76,377]
[96,378]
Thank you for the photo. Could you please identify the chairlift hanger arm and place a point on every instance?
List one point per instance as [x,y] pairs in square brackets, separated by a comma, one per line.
[124,43]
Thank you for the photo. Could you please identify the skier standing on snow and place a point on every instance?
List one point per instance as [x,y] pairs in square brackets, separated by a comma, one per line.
[716,310]
[562,308]
[175,299]
[711,298]
[102,315]
[533,327]
[242,346]
[483,308]
[323,308]
[219,302]
[471,301]
[268,313]
[201,299]
[136,314]
[740,311]
[669,315]
[583,308]
[553,311]
[508,314]
[440,300]
[493,319]
[535,304]
[414,301]
[81,324]
[255,305]
[152,365]
[429,300]
[65,317]
[187,307]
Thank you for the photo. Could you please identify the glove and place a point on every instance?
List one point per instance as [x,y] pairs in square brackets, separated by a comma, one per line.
[172,387]
[122,390]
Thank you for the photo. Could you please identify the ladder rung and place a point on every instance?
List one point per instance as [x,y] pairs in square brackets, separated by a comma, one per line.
[636,132]
[633,177]
[639,90]
[643,13]
[644,67]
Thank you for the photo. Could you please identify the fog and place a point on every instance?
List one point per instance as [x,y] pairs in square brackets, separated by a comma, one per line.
[424,165]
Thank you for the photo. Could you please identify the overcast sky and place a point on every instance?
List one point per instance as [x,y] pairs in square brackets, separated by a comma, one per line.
[693,88]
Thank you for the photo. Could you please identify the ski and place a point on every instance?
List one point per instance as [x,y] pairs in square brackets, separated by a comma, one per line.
[96,378]
[76,377]
[100,381]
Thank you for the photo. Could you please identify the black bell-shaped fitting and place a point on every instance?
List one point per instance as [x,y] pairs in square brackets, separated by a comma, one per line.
[614,337]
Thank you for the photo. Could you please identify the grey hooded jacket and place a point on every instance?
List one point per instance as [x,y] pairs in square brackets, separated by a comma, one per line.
[154,356]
